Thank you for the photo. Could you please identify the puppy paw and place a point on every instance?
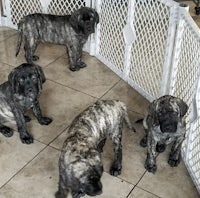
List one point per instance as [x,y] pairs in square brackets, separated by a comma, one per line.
[26,139]
[27,118]
[45,121]
[151,167]
[81,65]
[115,170]
[6,131]
[58,194]
[35,58]
[174,162]
[143,142]
[160,148]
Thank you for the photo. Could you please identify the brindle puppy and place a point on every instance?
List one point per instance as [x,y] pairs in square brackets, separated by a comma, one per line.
[80,165]
[165,123]
[20,93]
[69,30]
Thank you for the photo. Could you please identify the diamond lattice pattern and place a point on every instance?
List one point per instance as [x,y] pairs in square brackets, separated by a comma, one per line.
[185,78]
[62,7]
[19,9]
[151,23]
[113,17]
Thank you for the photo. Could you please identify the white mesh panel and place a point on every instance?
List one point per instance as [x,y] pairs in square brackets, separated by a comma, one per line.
[20,8]
[151,23]
[62,7]
[185,77]
[111,46]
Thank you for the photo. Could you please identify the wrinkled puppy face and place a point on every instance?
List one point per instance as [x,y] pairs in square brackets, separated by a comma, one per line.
[84,20]
[26,80]
[168,116]
[92,185]
[88,174]
[27,84]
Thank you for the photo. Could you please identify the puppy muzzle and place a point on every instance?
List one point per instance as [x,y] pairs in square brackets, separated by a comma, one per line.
[168,127]
[89,28]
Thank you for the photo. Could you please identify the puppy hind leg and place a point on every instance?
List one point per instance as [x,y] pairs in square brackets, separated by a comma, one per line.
[30,50]
[117,164]
[6,131]
[143,141]
[160,147]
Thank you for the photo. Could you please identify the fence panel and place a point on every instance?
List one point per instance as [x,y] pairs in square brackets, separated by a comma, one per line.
[14,10]
[184,84]
[151,23]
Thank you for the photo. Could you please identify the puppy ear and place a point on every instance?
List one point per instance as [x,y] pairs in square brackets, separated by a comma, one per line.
[153,113]
[96,17]
[12,80]
[40,74]
[182,106]
[74,20]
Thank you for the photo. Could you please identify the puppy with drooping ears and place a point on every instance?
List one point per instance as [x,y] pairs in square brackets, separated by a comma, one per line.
[17,95]
[164,124]
[80,165]
[69,30]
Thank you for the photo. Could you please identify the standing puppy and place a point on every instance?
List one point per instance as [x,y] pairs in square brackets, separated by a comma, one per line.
[165,123]
[69,30]
[20,93]
[80,166]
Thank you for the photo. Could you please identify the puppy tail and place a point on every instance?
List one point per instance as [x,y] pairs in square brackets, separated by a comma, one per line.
[20,34]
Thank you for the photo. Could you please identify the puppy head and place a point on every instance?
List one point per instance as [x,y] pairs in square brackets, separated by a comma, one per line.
[88,172]
[167,112]
[83,20]
[26,80]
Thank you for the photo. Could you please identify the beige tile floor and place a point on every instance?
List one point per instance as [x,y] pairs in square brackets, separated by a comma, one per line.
[31,171]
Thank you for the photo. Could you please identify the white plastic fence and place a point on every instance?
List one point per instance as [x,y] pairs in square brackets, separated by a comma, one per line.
[154,45]
[185,83]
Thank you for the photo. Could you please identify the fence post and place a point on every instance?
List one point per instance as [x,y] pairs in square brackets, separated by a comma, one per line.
[176,49]
[171,41]
[129,36]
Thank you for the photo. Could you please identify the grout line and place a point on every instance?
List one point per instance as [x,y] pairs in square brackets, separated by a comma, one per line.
[14,34]
[109,89]
[73,89]
[23,167]
[136,184]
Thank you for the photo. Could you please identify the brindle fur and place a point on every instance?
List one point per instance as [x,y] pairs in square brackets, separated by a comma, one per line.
[69,30]
[20,93]
[164,124]
[80,161]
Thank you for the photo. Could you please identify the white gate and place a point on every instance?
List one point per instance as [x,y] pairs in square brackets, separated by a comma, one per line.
[185,83]
[154,45]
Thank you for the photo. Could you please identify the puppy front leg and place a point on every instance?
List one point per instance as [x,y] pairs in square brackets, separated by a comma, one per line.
[62,190]
[21,125]
[150,163]
[38,114]
[117,164]
[175,154]
[75,53]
